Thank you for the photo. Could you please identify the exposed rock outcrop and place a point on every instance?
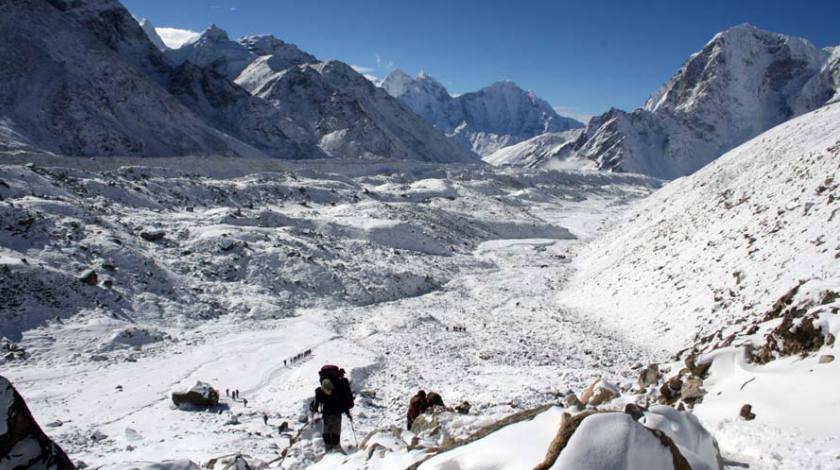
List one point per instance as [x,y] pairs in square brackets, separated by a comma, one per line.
[23,445]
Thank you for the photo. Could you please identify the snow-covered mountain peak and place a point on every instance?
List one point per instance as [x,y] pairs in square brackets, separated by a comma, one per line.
[267,44]
[496,116]
[151,32]
[402,85]
[214,33]
[742,82]
[215,50]
[744,63]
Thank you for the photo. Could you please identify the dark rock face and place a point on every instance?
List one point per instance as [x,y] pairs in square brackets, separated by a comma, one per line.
[23,445]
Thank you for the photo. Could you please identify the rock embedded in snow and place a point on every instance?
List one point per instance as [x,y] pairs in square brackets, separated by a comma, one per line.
[22,442]
[606,441]
[599,392]
[236,462]
[746,412]
[648,376]
[164,465]
[201,395]
[89,277]
[826,358]
[692,390]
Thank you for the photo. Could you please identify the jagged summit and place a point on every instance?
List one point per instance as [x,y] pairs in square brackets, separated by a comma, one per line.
[214,33]
[151,32]
[742,82]
[486,120]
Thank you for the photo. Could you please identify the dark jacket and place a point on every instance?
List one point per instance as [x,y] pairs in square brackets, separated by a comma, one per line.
[328,404]
[416,407]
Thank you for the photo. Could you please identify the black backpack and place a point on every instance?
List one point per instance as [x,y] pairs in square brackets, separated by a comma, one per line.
[341,385]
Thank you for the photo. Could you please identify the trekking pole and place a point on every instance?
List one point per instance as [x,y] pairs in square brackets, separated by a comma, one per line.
[353,428]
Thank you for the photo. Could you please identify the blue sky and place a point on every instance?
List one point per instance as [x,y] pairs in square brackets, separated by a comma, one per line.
[584,56]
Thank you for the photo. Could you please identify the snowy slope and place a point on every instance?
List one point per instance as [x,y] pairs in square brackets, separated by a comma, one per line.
[537,150]
[346,114]
[115,93]
[725,243]
[496,116]
[218,269]
[743,82]
[86,100]
[323,105]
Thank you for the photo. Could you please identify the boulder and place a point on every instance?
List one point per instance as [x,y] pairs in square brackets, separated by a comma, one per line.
[649,376]
[582,439]
[236,462]
[464,408]
[697,368]
[670,391]
[201,395]
[692,390]
[89,277]
[572,401]
[746,412]
[599,392]
[153,236]
[22,443]
[826,358]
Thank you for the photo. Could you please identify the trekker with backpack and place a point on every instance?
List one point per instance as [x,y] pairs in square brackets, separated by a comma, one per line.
[416,406]
[333,398]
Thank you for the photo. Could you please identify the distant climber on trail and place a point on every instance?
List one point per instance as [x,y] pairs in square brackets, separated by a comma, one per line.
[332,399]
[416,406]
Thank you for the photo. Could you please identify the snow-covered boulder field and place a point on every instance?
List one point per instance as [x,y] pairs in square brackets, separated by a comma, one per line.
[663,438]
[121,283]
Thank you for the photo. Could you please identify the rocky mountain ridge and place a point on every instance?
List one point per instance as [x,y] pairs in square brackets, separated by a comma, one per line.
[487,120]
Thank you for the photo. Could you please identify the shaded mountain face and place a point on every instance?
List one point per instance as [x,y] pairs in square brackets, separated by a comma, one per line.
[743,82]
[87,99]
[494,117]
[116,93]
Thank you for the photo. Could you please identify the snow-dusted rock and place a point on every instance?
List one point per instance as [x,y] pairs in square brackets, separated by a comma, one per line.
[494,117]
[132,337]
[201,395]
[599,392]
[22,442]
[236,462]
[165,465]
